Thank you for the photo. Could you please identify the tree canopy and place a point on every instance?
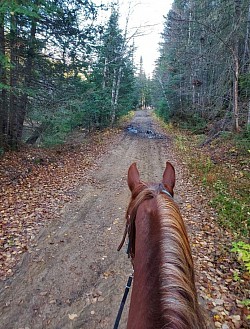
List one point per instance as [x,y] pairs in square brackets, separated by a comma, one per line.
[202,73]
[59,69]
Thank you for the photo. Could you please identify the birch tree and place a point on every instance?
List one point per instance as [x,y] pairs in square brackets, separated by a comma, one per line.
[113,68]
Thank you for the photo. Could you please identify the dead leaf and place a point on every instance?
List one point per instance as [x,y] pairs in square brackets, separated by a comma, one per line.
[72,316]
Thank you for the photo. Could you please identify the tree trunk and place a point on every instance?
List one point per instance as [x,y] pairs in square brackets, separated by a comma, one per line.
[246,65]
[13,111]
[246,53]
[248,118]
[236,68]
[28,80]
[115,93]
[19,101]
[235,93]
[118,85]
[105,74]
[3,81]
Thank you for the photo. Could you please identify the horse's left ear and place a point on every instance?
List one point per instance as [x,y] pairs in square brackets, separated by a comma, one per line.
[169,178]
[133,177]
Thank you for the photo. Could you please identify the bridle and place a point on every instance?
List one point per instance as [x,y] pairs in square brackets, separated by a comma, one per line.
[130,224]
[163,190]
[130,231]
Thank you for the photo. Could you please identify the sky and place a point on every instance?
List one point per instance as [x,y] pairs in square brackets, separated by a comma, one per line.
[146,22]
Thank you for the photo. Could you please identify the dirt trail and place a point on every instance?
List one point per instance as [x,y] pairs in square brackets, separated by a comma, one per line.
[72,276]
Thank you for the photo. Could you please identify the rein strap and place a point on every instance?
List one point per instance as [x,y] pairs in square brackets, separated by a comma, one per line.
[118,318]
[124,237]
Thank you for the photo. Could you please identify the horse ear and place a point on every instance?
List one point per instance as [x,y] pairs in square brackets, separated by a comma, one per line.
[133,177]
[169,177]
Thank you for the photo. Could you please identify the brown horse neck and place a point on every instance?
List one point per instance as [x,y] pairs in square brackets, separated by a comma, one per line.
[164,293]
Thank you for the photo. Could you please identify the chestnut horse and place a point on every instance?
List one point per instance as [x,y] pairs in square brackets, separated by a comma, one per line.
[163,294]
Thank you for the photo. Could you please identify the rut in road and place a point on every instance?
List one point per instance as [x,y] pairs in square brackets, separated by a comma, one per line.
[72,276]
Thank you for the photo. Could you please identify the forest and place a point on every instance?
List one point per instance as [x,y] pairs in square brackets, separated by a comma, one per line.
[70,89]
[202,76]
[61,69]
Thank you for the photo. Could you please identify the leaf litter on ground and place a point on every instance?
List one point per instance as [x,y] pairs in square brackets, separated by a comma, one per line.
[36,184]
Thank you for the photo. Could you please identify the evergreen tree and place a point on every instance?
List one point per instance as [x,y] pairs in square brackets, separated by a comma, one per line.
[113,73]
[143,87]
[203,57]
[35,35]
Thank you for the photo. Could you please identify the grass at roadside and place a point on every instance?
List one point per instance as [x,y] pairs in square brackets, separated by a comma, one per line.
[223,168]
[125,119]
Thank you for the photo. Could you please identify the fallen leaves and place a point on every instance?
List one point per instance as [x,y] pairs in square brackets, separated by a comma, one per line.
[219,285]
[35,184]
[72,316]
[33,192]
[108,274]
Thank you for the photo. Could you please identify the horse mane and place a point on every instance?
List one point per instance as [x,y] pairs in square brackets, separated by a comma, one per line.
[179,301]
[179,296]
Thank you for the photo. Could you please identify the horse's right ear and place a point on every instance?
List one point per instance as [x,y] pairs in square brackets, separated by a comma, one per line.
[169,178]
[133,177]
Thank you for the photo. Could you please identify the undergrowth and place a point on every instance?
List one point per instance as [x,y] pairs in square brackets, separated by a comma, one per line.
[243,251]
[226,182]
[223,171]
[126,118]
[226,178]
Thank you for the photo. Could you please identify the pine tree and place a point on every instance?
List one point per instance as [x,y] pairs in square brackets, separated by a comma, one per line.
[113,71]
[36,34]
[203,57]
